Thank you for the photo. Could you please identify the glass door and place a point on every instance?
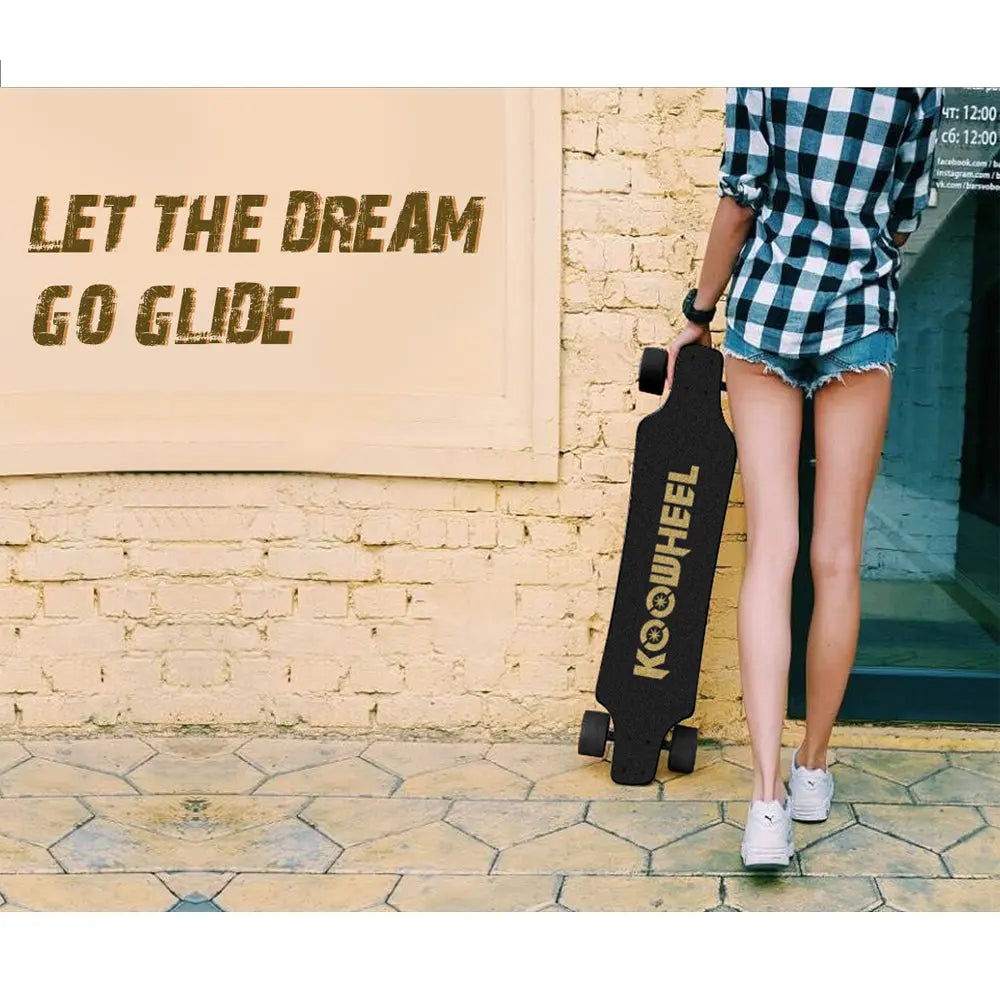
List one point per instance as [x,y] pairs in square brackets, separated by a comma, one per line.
[929,644]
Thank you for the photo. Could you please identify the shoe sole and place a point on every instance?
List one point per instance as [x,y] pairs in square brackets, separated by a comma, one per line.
[811,814]
[766,860]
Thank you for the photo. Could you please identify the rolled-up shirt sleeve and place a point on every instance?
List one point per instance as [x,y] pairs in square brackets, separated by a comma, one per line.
[911,182]
[746,156]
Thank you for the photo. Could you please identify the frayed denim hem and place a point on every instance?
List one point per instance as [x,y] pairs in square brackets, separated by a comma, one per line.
[810,388]
[886,367]
[794,383]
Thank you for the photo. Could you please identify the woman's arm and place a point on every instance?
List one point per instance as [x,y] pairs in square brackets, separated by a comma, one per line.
[731,228]
[743,177]
[910,192]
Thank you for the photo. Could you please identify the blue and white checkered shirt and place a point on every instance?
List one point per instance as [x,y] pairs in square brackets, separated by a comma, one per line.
[830,173]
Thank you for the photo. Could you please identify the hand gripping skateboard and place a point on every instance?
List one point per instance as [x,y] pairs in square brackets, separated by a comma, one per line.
[682,473]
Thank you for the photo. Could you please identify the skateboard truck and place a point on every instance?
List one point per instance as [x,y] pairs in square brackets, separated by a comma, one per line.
[596,733]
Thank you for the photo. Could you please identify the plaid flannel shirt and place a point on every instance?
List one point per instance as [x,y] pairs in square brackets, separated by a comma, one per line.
[830,173]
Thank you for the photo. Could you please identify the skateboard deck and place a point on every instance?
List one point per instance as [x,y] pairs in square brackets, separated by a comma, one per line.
[682,473]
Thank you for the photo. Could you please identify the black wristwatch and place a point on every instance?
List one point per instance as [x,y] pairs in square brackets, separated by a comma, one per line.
[696,315]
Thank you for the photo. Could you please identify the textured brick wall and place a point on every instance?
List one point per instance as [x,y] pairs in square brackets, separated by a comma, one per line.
[376,603]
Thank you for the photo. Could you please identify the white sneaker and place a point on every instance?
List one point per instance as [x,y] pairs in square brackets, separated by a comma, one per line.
[767,836]
[810,790]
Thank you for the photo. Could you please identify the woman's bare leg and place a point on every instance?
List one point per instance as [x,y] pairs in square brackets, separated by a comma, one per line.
[767,421]
[850,418]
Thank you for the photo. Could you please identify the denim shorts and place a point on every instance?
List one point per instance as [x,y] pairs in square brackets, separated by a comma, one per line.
[875,350]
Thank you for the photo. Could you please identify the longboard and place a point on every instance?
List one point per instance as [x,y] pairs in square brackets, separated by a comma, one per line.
[682,474]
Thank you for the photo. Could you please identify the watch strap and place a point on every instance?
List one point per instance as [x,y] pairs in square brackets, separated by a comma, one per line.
[696,315]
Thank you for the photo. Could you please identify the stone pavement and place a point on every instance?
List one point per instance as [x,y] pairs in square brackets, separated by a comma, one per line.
[276,823]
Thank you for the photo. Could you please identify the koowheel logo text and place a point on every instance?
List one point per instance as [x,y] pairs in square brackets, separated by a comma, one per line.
[665,574]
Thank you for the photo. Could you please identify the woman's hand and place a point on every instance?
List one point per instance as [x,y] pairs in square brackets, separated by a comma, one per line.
[693,333]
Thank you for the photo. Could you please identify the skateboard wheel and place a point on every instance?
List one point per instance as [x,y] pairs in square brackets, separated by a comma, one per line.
[653,370]
[593,734]
[683,749]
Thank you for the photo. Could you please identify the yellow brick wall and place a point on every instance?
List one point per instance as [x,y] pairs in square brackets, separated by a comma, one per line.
[376,603]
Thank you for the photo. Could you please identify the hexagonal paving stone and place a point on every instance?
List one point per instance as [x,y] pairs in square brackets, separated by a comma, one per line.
[979,855]
[343,777]
[590,781]
[743,756]
[645,893]
[40,821]
[719,780]
[981,763]
[652,824]
[262,893]
[805,833]
[354,821]
[503,824]
[185,884]
[196,818]
[536,760]
[87,893]
[18,856]
[47,777]
[580,849]
[289,845]
[101,846]
[429,849]
[174,774]
[854,785]
[958,786]
[806,894]
[195,903]
[277,754]
[933,827]
[479,779]
[713,851]
[196,747]
[116,754]
[941,894]
[860,851]
[902,766]
[11,753]
[473,893]
[407,758]
[992,814]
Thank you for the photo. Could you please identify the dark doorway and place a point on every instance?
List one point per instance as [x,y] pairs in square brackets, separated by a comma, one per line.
[929,644]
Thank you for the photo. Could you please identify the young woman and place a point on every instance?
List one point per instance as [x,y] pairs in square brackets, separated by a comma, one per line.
[819,187]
